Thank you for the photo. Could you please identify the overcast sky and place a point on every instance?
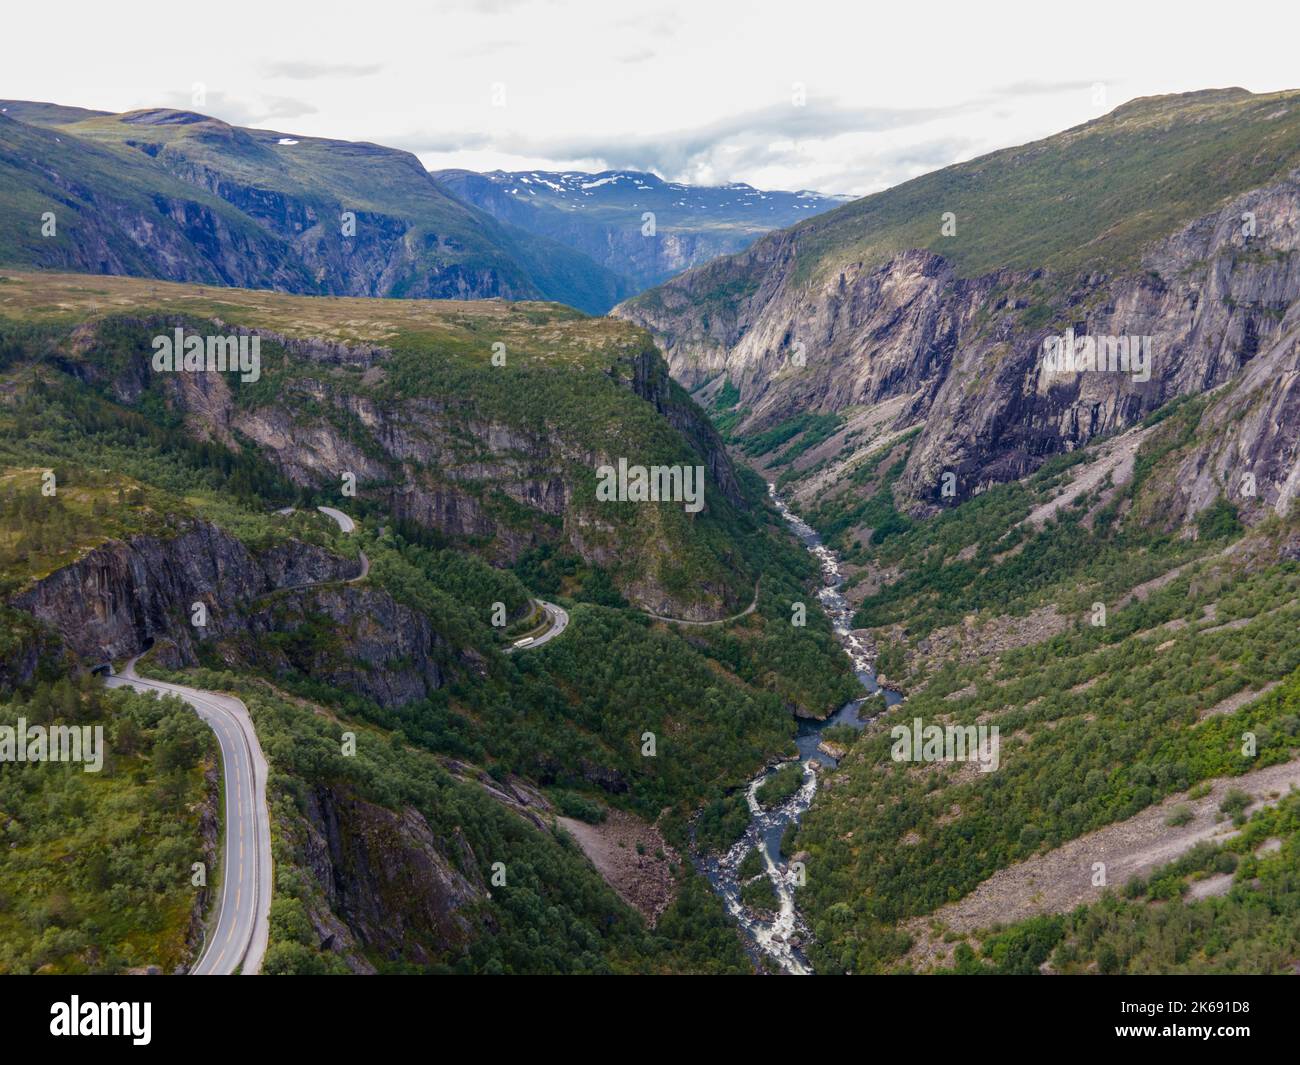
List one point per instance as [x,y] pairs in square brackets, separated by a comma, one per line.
[703,91]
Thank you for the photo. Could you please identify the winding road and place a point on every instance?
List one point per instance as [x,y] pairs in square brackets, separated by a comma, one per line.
[559,622]
[720,621]
[237,940]
[346,525]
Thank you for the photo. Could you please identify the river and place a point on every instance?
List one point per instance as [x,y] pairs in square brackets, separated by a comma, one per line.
[781,938]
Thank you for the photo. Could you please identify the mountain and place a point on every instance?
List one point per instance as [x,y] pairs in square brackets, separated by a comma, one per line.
[407,397]
[1097,566]
[1085,578]
[602,215]
[181,196]
[1170,218]
[475,493]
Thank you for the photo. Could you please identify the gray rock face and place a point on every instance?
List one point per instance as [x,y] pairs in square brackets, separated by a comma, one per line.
[965,356]
[388,887]
[377,647]
[650,379]
[125,595]
[433,462]
[117,598]
[1248,447]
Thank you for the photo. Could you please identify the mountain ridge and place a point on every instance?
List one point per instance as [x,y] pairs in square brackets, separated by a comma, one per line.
[604,214]
[179,195]
[831,318]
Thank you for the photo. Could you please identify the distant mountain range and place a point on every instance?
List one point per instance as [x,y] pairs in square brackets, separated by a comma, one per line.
[181,196]
[604,215]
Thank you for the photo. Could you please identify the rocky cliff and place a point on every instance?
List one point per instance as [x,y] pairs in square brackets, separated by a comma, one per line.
[113,602]
[502,459]
[917,338]
[287,608]
[383,885]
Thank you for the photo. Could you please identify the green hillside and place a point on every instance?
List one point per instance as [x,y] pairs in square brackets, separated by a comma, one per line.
[179,195]
[1092,197]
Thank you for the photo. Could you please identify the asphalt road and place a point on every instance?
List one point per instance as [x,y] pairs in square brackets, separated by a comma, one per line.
[346,525]
[559,622]
[720,621]
[237,941]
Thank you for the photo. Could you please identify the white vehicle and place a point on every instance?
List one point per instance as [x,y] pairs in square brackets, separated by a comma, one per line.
[522,643]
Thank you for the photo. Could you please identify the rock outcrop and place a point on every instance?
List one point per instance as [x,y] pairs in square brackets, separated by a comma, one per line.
[114,601]
[288,608]
[386,888]
[966,354]
[505,481]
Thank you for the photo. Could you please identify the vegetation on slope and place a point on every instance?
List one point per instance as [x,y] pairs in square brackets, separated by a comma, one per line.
[273,201]
[96,868]
[1078,200]
[567,394]
[570,716]
[1097,721]
[1151,926]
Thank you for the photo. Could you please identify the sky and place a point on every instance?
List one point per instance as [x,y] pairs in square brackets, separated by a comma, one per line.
[840,97]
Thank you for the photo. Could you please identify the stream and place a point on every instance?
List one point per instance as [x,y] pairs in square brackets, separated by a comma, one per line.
[781,938]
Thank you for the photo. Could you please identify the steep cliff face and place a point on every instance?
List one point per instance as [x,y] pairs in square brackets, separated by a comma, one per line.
[923,340]
[648,378]
[864,336]
[430,869]
[1210,298]
[429,463]
[385,255]
[286,609]
[1248,445]
[27,649]
[353,638]
[113,602]
[502,458]
[385,887]
[126,220]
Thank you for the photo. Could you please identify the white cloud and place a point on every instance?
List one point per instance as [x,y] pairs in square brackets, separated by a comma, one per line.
[306,70]
[237,110]
[688,89]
